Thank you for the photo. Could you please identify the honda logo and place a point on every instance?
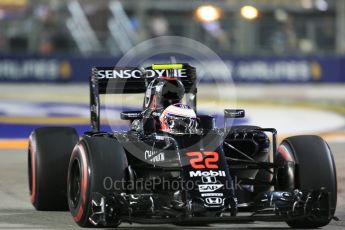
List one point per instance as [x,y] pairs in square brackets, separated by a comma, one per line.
[214,200]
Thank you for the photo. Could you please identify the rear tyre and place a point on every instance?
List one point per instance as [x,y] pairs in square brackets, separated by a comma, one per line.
[315,168]
[48,158]
[95,165]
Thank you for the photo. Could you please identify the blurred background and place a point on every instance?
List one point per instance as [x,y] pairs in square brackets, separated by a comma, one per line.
[88,28]
[286,60]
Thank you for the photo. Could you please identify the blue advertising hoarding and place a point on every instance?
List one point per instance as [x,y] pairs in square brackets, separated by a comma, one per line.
[331,69]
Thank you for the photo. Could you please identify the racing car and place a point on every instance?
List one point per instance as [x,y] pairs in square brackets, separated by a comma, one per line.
[175,165]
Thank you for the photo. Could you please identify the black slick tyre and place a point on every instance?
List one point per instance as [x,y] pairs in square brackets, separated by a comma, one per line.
[315,169]
[95,165]
[48,158]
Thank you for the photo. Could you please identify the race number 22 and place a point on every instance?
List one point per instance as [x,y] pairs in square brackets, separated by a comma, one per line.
[202,160]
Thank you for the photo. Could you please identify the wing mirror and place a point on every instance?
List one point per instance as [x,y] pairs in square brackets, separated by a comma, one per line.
[231,114]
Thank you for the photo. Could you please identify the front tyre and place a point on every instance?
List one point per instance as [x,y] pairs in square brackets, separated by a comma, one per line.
[315,169]
[93,161]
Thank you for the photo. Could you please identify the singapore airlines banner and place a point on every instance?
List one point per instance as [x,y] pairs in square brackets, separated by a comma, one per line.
[241,69]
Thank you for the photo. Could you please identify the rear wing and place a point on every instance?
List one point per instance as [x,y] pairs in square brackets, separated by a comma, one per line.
[110,80]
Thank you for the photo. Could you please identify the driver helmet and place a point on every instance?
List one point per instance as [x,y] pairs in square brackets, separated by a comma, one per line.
[162,92]
[178,118]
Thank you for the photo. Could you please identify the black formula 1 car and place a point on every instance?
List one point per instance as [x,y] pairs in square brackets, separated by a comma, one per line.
[174,166]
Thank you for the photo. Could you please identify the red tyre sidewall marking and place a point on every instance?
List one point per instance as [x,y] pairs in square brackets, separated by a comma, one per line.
[80,211]
[287,156]
[33,170]
[285,153]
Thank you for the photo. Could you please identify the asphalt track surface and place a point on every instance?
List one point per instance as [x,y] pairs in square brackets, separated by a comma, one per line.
[16,212]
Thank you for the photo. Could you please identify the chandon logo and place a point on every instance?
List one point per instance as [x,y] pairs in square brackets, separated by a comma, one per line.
[154,156]
[212,194]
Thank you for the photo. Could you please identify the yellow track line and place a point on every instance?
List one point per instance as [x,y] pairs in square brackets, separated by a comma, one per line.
[14,144]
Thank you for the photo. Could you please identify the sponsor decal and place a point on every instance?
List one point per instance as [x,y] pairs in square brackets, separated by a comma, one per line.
[284,70]
[209,187]
[136,73]
[35,69]
[202,160]
[211,194]
[208,179]
[214,200]
[154,156]
[200,173]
